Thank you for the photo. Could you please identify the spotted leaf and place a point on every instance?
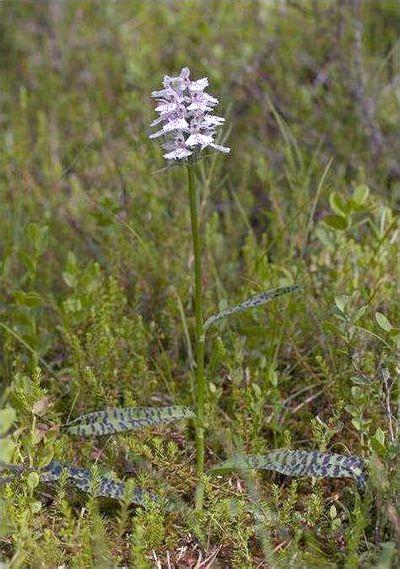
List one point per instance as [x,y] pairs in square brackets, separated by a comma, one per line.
[252,302]
[83,479]
[119,420]
[302,463]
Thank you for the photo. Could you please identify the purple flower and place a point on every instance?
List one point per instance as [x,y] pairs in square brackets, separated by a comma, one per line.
[185,113]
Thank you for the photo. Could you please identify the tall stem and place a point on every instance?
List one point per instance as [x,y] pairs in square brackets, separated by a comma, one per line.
[200,377]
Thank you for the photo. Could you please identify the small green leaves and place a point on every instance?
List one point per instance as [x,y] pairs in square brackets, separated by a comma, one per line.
[38,237]
[341,208]
[83,479]
[360,195]
[338,204]
[33,480]
[340,306]
[344,208]
[6,450]
[70,275]
[30,299]
[359,313]
[252,302]
[337,222]
[119,420]
[302,463]
[377,442]
[7,418]
[383,322]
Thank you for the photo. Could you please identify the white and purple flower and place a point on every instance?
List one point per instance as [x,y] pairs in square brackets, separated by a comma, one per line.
[185,110]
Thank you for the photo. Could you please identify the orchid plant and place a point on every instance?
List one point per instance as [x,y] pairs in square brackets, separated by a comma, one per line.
[187,127]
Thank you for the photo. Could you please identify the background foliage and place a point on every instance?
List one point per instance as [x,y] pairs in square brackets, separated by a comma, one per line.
[96,292]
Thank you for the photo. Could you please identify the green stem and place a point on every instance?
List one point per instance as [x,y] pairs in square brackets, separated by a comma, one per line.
[200,377]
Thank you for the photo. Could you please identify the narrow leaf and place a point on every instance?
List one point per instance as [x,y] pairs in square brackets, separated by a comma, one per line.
[252,302]
[82,479]
[119,420]
[302,463]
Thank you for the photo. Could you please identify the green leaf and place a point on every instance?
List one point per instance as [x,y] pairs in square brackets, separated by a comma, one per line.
[30,299]
[70,275]
[341,302]
[360,313]
[36,507]
[337,222]
[253,302]
[380,436]
[377,442]
[338,204]
[383,322]
[29,261]
[7,418]
[360,194]
[33,480]
[6,450]
[301,463]
[360,380]
[83,479]
[38,236]
[70,279]
[119,420]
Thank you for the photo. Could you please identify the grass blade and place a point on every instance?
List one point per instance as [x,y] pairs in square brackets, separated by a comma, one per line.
[82,479]
[252,302]
[119,420]
[302,463]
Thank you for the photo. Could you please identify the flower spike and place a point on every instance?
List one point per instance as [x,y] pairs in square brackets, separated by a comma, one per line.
[185,113]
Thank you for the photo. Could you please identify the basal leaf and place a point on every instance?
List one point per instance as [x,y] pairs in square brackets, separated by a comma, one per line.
[252,302]
[82,479]
[302,463]
[119,420]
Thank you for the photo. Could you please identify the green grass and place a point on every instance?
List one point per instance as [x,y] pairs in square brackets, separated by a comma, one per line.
[97,288]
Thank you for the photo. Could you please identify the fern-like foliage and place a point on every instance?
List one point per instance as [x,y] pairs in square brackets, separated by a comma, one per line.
[302,463]
[119,420]
[252,302]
